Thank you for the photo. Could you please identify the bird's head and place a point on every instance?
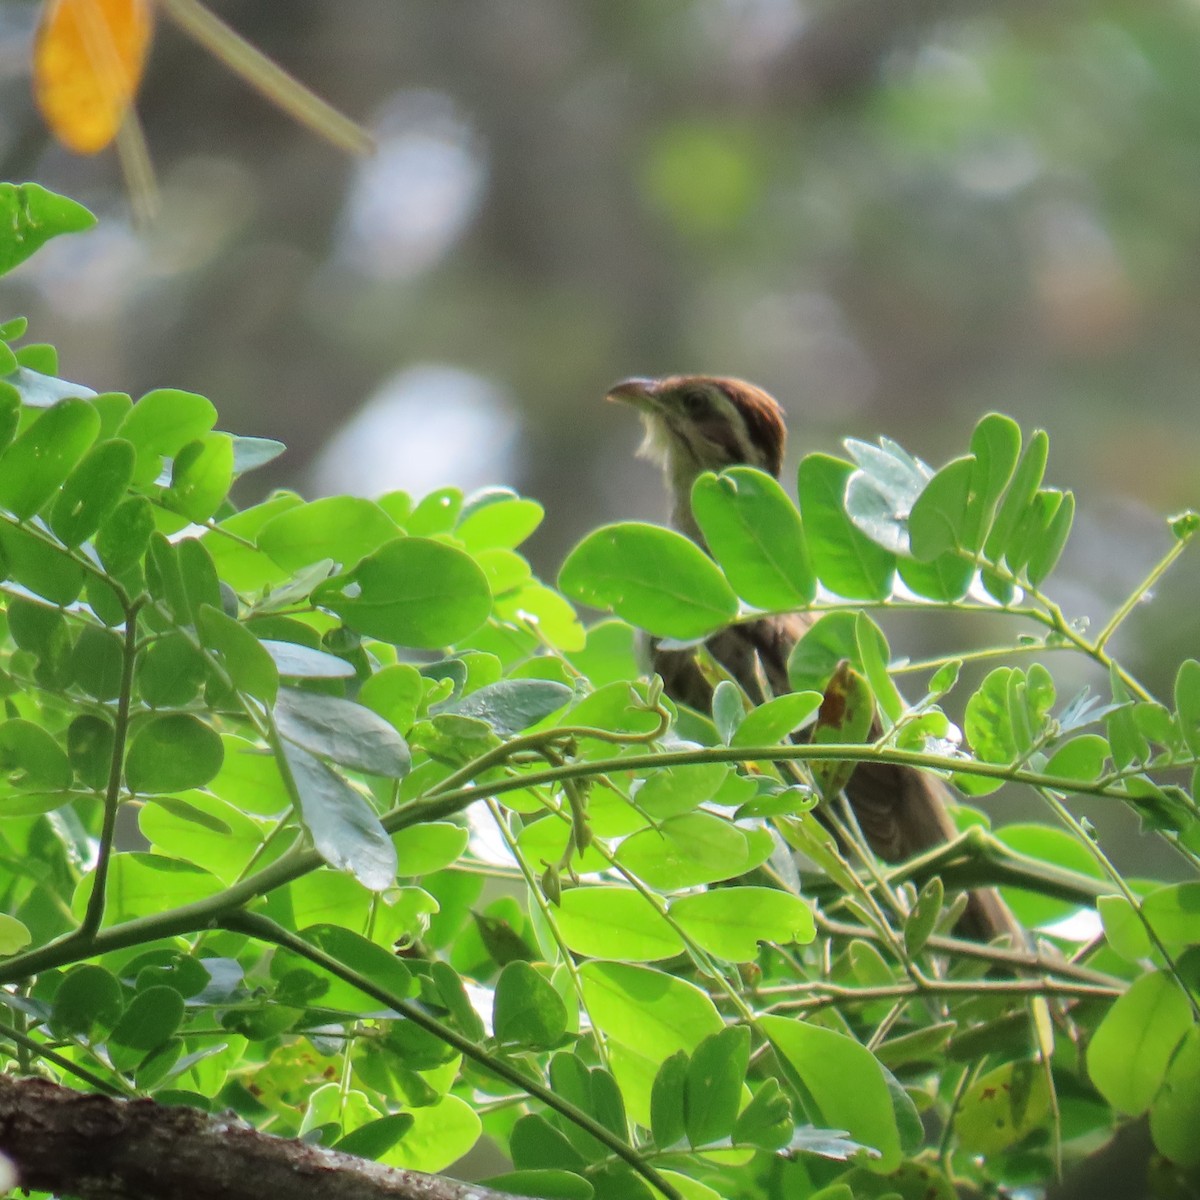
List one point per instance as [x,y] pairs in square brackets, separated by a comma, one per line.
[697,423]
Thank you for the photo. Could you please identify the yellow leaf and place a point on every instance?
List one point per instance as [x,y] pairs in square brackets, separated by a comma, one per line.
[87,63]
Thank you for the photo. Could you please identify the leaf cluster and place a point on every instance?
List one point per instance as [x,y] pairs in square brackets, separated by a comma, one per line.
[334,814]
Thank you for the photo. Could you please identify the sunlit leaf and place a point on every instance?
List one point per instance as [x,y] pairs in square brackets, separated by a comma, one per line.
[754,531]
[653,577]
[30,216]
[1128,1055]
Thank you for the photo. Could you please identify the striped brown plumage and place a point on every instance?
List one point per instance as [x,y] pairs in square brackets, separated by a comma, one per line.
[702,423]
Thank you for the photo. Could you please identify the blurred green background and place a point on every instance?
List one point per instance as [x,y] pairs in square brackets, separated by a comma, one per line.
[893,214]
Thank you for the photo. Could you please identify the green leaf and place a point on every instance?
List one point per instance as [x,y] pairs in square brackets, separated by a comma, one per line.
[615,922]
[172,752]
[124,535]
[647,1015]
[847,562]
[239,652]
[686,851]
[1003,1107]
[201,476]
[161,423]
[1019,497]
[498,519]
[373,962]
[198,574]
[10,413]
[453,995]
[1031,529]
[713,1090]
[46,570]
[754,531]
[936,524]
[14,936]
[428,847]
[374,1139]
[343,731]
[1174,912]
[141,883]
[30,216]
[730,922]
[96,662]
[1128,1055]
[1045,554]
[823,645]
[535,1145]
[996,445]
[728,709]
[35,465]
[411,591]
[1081,758]
[164,579]
[777,719]
[988,727]
[767,1120]
[90,748]
[31,758]
[841,1083]
[204,830]
[592,1090]
[648,1012]
[1187,703]
[152,1017]
[1175,1113]
[42,357]
[92,491]
[88,996]
[344,529]
[874,654]
[512,705]
[548,1184]
[675,790]
[655,578]
[947,577]
[922,921]
[667,1101]
[345,830]
[526,1010]
[170,671]
[436,513]
[1123,928]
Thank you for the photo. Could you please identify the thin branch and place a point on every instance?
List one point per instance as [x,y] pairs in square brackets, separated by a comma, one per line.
[94,913]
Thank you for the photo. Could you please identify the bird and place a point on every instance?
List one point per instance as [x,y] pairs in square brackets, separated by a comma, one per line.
[699,423]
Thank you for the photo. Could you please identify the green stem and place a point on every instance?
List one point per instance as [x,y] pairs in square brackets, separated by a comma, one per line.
[1089,842]
[1156,573]
[94,913]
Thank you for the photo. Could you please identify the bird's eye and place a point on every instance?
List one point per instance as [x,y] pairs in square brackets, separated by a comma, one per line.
[695,402]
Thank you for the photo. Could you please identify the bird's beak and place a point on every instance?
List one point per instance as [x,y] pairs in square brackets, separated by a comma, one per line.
[641,393]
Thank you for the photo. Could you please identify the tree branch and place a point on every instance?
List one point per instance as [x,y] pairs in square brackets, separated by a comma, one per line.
[98,1148]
